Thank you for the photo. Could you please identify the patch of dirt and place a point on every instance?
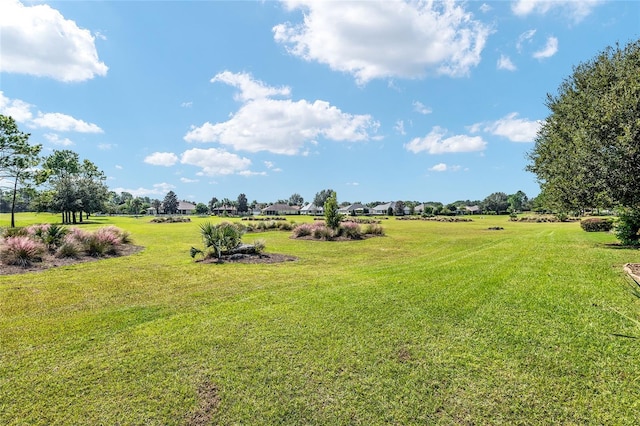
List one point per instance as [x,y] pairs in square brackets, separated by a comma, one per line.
[251,258]
[208,403]
[50,261]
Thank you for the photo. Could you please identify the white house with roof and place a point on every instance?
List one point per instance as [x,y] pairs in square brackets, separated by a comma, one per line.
[279,209]
[312,210]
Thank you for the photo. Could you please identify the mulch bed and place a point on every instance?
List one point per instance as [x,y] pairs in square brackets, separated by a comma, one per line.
[50,261]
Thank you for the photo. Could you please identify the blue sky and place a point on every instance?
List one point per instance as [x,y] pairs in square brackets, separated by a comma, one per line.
[380,101]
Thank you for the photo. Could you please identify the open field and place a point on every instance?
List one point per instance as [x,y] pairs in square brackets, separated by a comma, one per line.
[435,323]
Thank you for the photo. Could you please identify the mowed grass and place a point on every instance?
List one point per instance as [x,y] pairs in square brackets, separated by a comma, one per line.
[435,323]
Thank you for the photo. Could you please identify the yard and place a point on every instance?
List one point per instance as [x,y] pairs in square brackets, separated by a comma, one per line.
[435,323]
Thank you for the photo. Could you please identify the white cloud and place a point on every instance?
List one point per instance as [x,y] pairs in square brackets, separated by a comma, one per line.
[385,39]
[399,127]
[187,180]
[485,8]
[281,126]
[549,50]
[186,104]
[64,123]
[269,164]
[38,40]
[55,139]
[215,162]
[119,167]
[19,110]
[436,143]
[248,173]
[159,189]
[440,167]
[353,183]
[504,63]
[513,128]
[106,146]
[525,37]
[420,108]
[576,10]
[166,159]
[249,87]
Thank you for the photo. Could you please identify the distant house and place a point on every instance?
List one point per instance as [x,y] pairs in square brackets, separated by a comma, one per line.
[353,209]
[185,207]
[225,210]
[472,210]
[419,209]
[280,209]
[312,210]
[382,209]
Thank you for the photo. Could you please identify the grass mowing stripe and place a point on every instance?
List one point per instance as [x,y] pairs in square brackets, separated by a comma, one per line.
[436,323]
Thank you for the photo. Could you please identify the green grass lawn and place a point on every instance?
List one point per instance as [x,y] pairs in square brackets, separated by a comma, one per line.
[435,323]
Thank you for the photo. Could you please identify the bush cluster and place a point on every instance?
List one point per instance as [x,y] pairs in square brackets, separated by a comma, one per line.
[28,245]
[544,218]
[170,219]
[348,230]
[270,225]
[263,218]
[596,224]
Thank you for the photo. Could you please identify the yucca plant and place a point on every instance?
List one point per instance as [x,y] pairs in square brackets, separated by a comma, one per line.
[220,238]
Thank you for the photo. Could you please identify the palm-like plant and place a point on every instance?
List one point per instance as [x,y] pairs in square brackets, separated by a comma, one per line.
[220,238]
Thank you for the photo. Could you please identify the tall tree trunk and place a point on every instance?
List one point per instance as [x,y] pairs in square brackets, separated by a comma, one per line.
[80,216]
[13,202]
[74,217]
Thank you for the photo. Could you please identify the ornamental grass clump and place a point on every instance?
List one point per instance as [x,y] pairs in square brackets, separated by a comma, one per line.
[21,251]
[350,230]
[373,229]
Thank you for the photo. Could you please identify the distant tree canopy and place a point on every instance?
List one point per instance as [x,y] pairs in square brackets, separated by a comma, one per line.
[170,203]
[243,203]
[75,186]
[322,196]
[587,152]
[17,158]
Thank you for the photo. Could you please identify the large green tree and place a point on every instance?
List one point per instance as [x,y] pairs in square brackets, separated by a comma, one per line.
[17,158]
[170,203]
[76,186]
[587,153]
[322,196]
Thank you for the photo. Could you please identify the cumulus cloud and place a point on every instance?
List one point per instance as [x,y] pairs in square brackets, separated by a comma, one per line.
[550,49]
[280,126]
[19,110]
[187,180]
[249,87]
[513,128]
[158,189]
[399,127]
[576,10]
[64,123]
[38,40]
[166,159]
[56,140]
[215,161]
[106,146]
[386,39]
[420,108]
[436,142]
[440,167]
[504,63]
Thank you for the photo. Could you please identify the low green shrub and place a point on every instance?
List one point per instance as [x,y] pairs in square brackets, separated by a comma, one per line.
[596,224]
